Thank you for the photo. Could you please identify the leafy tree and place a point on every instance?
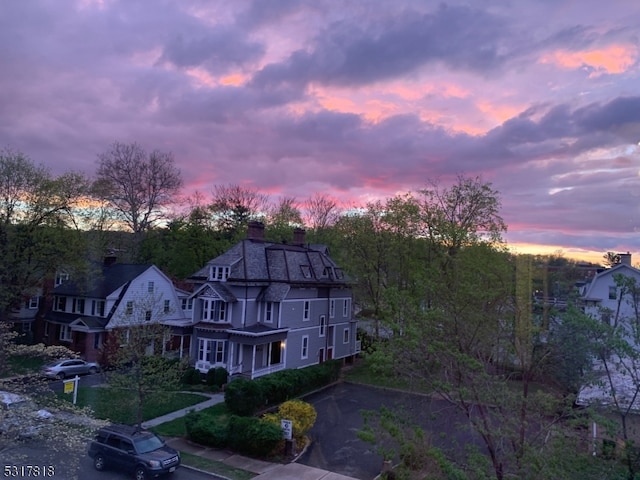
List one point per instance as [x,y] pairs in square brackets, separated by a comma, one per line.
[36,226]
[138,366]
[137,185]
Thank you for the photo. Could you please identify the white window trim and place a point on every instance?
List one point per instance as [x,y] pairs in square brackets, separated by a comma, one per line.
[151,286]
[345,307]
[332,308]
[268,312]
[346,336]
[323,326]
[65,333]
[33,303]
[306,310]
[304,351]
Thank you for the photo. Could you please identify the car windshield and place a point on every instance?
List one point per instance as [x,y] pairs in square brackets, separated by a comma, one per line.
[148,443]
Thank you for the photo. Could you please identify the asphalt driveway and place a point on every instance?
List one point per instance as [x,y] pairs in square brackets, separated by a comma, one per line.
[335,445]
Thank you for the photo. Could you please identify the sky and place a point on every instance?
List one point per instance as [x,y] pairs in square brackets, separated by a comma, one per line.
[359,100]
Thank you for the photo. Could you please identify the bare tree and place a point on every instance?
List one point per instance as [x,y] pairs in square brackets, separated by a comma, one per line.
[233,206]
[321,211]
[137,184]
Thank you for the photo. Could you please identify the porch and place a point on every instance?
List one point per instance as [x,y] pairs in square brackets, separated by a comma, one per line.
[257,351]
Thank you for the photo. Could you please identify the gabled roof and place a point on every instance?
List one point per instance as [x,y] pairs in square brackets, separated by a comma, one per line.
[621,268]
[258,261]
[111,278]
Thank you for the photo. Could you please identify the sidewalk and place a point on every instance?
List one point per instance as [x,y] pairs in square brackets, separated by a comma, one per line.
[263,470]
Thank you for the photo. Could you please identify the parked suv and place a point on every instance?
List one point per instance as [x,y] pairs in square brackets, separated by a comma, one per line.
[134,450]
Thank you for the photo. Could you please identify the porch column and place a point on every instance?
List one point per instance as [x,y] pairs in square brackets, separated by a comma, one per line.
[269,354]
[181,345]
[253,360]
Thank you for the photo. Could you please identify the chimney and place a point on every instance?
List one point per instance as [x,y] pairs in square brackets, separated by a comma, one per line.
[625,258]
[255,230]
[298,236]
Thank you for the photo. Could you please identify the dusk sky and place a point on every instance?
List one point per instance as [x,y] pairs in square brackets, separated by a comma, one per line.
[358,99]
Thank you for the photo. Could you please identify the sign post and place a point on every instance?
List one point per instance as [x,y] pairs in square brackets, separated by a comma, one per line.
[71,386]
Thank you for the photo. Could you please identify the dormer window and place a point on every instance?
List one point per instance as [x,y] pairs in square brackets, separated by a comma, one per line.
[219,273]
[61,277]
[306,271]
[327,272]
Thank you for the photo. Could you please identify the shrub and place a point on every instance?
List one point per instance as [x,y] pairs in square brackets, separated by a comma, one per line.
[192,376]
[217,377]
[253,436]
[206,429]
[243,397]
[302,415]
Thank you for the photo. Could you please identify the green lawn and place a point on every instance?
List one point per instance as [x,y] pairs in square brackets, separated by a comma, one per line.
[114,404]
[177,428]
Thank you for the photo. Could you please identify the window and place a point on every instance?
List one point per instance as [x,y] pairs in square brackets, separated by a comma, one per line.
[214,310]
[97,340]
[323,324]
[613,292]
[345,336]
[222,273]
[187,303]
[33,303]
[129,309]
[61,304]
[46,329]
[147,316]
[306,310]
[61,277]
[212,351]
[26,327]
[268,312]
[78,305]
[65,333]
[150,287]
[332,308]
[167,306]
[306,271]
[305,347]
[97,308]
[345,307]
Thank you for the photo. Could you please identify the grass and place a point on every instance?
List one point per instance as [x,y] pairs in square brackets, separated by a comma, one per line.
[219,468]
[115,404]
[177,428]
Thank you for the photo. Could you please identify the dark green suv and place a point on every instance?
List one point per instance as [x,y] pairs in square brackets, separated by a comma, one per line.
[134,450]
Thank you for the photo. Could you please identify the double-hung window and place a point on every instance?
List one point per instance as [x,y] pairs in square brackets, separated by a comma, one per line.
[306,310]
[268,312]
[214,310]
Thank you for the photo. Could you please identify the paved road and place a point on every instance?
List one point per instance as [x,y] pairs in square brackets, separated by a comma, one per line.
[32,459]
[335,445]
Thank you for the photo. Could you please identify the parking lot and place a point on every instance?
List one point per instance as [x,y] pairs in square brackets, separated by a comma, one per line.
[335,445]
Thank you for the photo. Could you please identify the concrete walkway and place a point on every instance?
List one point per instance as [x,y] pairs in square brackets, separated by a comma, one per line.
[263,470]
[213,400]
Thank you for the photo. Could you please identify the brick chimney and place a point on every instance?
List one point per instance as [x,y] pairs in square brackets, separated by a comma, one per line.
[255,230]
[299,236]
[625,258]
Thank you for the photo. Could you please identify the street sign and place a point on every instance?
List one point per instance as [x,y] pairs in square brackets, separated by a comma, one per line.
[287,428]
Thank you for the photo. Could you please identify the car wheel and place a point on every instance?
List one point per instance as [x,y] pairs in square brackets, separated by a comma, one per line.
[140,473]
[61,376]
[93,370]
[99,463]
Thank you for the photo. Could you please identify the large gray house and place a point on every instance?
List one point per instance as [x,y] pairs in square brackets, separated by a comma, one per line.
[262,307]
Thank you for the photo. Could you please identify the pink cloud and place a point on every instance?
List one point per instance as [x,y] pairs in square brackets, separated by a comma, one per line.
[614,59]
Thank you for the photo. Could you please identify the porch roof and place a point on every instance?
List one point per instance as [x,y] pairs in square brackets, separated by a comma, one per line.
[90,323]
[257,330]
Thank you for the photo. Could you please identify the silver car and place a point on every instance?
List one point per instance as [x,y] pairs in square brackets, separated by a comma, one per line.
[69,368]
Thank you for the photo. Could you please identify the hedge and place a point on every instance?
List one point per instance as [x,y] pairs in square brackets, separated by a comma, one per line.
[246,397]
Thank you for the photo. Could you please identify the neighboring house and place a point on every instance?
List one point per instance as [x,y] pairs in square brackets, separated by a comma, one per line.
[82,317]
[613,296]
[604,299]
[262,307]
[24,317]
